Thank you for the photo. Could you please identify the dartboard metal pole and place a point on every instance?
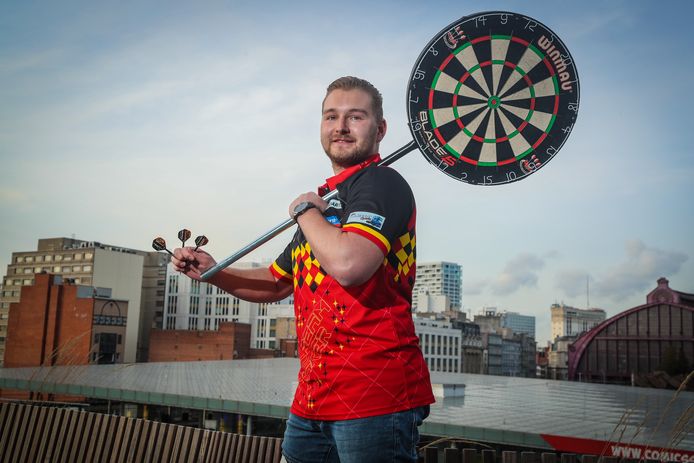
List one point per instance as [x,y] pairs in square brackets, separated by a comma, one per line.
[270,234]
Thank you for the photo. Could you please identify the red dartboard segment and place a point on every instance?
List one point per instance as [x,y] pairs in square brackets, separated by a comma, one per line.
[497,92]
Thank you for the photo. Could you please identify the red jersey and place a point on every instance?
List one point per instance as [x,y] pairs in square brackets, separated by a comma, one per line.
[358,350]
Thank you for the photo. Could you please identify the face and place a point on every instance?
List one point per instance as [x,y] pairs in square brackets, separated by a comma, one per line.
[350,132]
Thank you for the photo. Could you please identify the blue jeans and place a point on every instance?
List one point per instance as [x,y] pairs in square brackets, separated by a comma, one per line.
[385,438]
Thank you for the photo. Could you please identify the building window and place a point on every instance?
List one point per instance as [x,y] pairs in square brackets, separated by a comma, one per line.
[87,268]
[49,258]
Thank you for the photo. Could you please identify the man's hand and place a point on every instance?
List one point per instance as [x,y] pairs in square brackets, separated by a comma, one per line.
[310,197]
[192,263]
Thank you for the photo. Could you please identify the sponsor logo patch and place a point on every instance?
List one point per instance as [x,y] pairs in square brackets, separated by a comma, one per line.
[335,204]
[333,219]
[367,218]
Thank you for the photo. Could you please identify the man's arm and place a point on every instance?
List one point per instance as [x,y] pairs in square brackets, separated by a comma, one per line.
[254,285]
[347,257]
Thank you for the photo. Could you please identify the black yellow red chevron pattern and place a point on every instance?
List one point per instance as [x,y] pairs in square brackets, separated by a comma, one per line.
[403,256]
[306,269]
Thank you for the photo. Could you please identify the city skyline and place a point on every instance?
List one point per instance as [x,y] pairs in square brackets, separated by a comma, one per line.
[111,111]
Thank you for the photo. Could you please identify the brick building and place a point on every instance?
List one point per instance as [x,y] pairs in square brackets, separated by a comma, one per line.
[231,341]
[132,275]
[59,323]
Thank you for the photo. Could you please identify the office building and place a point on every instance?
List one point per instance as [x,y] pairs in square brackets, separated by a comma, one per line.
[87,263]
[509,342]
[493,352]
[440,344]
[518,323]
[570,321]
[472,349]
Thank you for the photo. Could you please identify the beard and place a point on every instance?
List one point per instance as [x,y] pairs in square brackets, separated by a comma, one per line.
[348,158]
[351,154]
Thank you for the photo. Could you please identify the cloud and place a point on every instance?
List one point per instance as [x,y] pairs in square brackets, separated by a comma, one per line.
[572,282]
[9,196]
[642,267]
[519,272]
[474,287]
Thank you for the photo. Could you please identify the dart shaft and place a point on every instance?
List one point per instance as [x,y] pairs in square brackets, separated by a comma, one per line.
[289,222]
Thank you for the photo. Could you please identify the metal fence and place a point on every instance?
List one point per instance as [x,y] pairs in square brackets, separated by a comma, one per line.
[455,455]
[31,433]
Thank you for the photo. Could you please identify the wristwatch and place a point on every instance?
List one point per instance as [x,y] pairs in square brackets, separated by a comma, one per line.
[301,208]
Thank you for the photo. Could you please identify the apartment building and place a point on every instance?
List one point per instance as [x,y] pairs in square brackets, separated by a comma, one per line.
[434,281]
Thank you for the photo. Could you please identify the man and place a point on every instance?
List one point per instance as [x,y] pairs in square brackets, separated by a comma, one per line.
[363,384]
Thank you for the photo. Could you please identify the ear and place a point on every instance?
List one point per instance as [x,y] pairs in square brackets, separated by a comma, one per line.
[381,130]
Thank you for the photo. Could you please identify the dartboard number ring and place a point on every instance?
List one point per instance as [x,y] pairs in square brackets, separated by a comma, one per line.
[492,98]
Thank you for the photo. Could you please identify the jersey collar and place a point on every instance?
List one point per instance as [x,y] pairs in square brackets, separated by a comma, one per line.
[332,182]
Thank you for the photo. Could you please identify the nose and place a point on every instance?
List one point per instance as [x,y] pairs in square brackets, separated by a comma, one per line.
[341,125]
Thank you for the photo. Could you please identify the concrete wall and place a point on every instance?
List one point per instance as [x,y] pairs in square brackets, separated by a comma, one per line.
[122,272]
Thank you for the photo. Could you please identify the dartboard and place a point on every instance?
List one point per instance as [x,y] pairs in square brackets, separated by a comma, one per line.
[492,98]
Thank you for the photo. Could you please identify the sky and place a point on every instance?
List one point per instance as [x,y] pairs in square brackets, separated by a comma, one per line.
[123,121]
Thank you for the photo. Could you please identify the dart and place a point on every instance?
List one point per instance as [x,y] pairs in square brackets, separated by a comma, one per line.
[159,244]
[200,241]
[184,235]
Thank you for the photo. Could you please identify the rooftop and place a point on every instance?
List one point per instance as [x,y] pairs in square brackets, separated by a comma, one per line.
[513,411]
